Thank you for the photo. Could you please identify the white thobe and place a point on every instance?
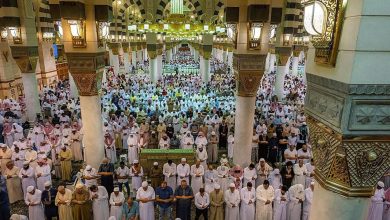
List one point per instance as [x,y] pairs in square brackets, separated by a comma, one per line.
[202,156]
[116,210]
[294,206]
[232,199]
[376,208]
[196,178]
[183,173]
[100,204]
[91,173]
[29,180]
[136,180]
[132,143]
[187,142]
[250,176]
[280,207]
[264,211]
[35,208]
[230,141]
[44,170]
[146,210]
[307,204]
[169,172]
[223,172]
[310,169]
[299,175]
[211,178]
[248,199]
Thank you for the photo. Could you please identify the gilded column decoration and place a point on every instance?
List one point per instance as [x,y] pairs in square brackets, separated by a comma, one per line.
[125,47]
[249,69]
[26,57]
[283,53]
[152,50]
[159,49]
[206,51]
[114,47]
[87,70]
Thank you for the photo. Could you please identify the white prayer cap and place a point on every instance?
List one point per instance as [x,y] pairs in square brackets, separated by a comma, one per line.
[47,183]
[183,159]
[112,218]
[116,189]
[274,134]
[26,163]
[30,188]
[217,186]
[3,146]
[88,167]
[262,159]
[213,133]
[135,161]
[79,185]
[155,164]
[304,123]
[276,171]
[381,184]
[144,184]
[312,183]
[232,185]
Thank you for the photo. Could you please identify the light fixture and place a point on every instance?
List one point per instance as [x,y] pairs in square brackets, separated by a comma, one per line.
[146,26]
[47,36]
[255,30]
[132,27]
[286,39]
[217,29]
[306,40]
[187,26]
[166,26]
[77,30]
[323,20]
[16,34]
[206,27]
[4,34]
[231,32]
[103,31]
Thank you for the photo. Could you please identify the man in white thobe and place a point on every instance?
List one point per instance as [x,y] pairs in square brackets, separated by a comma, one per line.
[169,171]
[376,208]
[201,155]
[250,174]
[296,197]
[145,197]
[136,173]
[42,174]
[248,198]
[310,173]
[90,176]
[197,173]
[308,201]
[26,174]
[183,171]
[211,178]
[116,201]
[223,174]
[299,173]
[132,143]
[264,196]
[280,203]
[33,201]
[99,197]
[187,142]
[232,200]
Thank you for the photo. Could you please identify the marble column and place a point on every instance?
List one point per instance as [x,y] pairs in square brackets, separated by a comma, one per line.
[225,56]
[145,53]
[201,66]
[30,86]
[283,56]
[153,69]
[168,58]
[295,61]
[126,62]
[159,67]
[114,60]
[248,82]
[206,70]
[73,88]
[196,55]
[140,56]
[134,58]
[230,60]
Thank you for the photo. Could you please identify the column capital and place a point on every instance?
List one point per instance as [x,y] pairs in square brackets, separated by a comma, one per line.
[159,49]
[87,70]
[125,47]
[206,51]
[114,46]
[283,54]
[152,50]
[26,57]
[249,69]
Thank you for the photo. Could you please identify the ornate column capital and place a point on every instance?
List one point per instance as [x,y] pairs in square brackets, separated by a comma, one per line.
[125,47]
[152,50]
[159,49]
[350,167]
[114,47]
[283,53]
[249,69]
[206,51]
[87,71]
[26,57]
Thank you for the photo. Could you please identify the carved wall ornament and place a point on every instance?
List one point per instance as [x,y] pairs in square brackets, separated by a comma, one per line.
[85,62]
[86,82]
[370,115]
[248,83]
[339,171]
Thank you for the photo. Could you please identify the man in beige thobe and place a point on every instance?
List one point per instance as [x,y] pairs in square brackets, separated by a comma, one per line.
[216,203]
[63,200]
[65,157]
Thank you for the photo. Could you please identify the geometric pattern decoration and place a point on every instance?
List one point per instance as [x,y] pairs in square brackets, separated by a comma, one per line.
[86,83]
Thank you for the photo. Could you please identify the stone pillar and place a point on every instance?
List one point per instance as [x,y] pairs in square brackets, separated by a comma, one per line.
[126,60]
[230,60]
[145,54]
[152,47]
[88,80]
[73,88]
[225,55]
[168,58]
[196,55]
[206,70]
[347,107]
[201,66]
[140,56]
[114,56]
[26,58]
[134,58]
[283,54]
[249,69]
[47,62]
[206,49]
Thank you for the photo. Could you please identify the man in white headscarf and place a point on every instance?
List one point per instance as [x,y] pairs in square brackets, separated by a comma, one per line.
[183,171]
[43,174]
[299,173]
[248,198]
[308,201]
[187,141]
[132,143]
[296,197]
[33,201]
[5,156]
[232,200]
[169,171]
[197,173]
[99,197]
[145,197]
[376,208]
[90,176]
[26,174]
[117,200]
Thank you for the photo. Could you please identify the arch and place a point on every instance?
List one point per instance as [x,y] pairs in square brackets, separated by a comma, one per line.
[187,3]
[220,5]
[163,4]
[119,26]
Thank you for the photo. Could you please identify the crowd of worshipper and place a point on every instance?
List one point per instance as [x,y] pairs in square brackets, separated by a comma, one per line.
[183,62]
[179,112]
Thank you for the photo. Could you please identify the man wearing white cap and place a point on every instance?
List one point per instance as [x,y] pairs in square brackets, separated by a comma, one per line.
[275,179]
[169,171]
[33,201]
[248,198]
[250,174]
[211,178]
[99,197]
[201,155]
[183,171]
[116,201]
[65,157]
[308,201]
[264,197]
[26,174]
[132,144]
[232,200]
[296,197]
[376,208]
[197,173]
[136,173]
[13,183]
[223,174]
[146,197]
[90,176]
[280,203]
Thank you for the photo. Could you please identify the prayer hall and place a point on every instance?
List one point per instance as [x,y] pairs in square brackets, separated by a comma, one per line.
[194,109]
